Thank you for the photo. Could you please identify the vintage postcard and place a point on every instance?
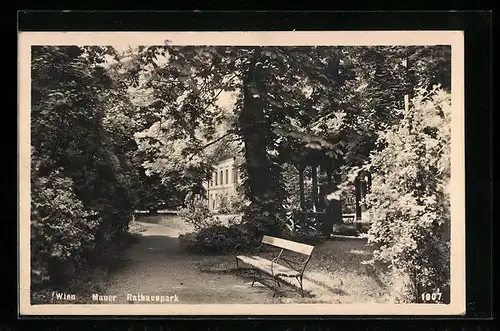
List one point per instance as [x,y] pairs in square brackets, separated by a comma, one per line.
[241,173]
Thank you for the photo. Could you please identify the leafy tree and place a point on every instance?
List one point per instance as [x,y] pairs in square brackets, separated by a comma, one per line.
[125,115]
[82,192]
[271,84]
[373,100]
[292,104]
[409,199]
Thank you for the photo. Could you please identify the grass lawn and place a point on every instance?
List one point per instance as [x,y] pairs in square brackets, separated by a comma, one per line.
[335,267]
[338,266]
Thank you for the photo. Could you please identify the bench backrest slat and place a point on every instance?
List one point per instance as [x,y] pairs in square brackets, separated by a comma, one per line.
[289,245]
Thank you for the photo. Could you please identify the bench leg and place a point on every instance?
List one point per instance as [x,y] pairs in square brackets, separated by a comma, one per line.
[236,262]
[301,288]
[254,274]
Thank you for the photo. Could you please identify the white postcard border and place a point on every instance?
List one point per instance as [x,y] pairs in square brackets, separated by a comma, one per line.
[305,38]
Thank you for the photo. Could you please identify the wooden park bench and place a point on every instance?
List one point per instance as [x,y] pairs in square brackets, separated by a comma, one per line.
[293,269]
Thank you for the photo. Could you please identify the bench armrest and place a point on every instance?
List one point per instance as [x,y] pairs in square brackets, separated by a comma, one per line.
[275,260]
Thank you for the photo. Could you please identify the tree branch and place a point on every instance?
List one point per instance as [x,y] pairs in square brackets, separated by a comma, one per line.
[230,132]
[211,103]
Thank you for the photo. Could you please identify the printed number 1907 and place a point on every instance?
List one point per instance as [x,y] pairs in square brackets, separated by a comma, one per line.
[433,297]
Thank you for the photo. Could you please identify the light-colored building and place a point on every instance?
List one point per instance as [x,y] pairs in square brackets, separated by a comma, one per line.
[224,183]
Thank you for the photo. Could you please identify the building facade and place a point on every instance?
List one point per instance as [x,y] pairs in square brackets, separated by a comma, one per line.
[224,183]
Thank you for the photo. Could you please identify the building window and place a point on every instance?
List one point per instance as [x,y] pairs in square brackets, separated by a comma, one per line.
[221,178]
[227,176]
[216,181]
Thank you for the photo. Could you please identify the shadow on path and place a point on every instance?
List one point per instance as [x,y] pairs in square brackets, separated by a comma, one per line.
[157,265]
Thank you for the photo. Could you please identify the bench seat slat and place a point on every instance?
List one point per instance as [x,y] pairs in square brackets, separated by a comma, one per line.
[289,245]
[265,265]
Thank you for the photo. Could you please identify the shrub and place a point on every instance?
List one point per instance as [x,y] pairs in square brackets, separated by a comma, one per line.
[346,229]
[197,214]
[237,204]
[224,204]
[210,235]
[302,228]
[231,204]
[261,219]
[310,236]
[60,228]
[218,239]
[409,198]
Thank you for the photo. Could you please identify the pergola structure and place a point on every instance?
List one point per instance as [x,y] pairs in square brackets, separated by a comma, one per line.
[323,157]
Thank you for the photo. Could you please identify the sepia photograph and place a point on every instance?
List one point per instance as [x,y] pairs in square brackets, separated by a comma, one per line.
[248,173]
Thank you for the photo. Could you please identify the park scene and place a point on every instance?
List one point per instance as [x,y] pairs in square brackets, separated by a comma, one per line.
[245,175]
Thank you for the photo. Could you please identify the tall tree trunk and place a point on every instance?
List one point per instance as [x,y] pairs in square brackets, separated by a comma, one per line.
[263,180]
[333,204]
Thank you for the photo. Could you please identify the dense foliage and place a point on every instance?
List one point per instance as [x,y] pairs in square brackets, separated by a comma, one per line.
[281,94]
[197,214]
[211,235]
[81,197]
[219,238]
[409,200]
[60,224]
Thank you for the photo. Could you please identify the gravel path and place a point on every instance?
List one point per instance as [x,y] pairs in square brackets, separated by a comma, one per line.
[157,266]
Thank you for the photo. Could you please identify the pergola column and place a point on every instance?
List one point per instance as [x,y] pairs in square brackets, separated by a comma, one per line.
[314,193]
[357,195]
[302,201]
